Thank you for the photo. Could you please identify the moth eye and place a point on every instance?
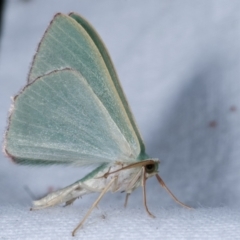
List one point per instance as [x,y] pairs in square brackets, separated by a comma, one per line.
[150,168]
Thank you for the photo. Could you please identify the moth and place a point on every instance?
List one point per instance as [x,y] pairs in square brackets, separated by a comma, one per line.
[73,111]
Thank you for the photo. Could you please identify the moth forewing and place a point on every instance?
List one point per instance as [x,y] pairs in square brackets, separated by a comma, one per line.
[72,46]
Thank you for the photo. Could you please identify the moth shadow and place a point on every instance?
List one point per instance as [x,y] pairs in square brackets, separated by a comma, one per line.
[195,142]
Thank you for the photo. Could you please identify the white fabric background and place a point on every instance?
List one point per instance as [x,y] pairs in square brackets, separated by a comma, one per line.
[179,65]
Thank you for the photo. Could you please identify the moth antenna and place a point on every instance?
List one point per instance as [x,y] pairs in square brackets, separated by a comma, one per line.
[170,193]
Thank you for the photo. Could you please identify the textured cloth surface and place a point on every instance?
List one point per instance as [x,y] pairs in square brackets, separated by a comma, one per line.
[179,65]
[219,223]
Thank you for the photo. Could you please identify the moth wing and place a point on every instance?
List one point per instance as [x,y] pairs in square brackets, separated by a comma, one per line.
[68,43]
[109,64]
[59,119]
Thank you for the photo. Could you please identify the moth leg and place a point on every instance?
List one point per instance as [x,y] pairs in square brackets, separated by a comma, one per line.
[94,204]
[105,175]
[131,185]
[144,192]
[126,199]
[69,202]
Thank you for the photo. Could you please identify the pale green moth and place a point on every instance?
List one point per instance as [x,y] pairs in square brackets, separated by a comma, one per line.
[73,111]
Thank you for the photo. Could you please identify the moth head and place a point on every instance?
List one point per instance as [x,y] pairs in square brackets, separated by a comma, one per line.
[151,168]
